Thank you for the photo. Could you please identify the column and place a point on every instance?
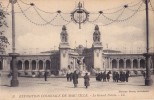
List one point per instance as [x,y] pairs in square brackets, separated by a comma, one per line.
[44,65]
[138,61]
[124,63]
[131,63]
[111,63]
[30,65]
[23,65]
[37,65]
[117,63]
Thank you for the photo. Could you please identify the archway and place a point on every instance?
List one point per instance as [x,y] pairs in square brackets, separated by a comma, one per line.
[121,63]
[114,63]
[19,65]
[33,65]
[135,64]
[142,63]
[1,66]
[40,65]
[48,65]
[26,65]
[128,63]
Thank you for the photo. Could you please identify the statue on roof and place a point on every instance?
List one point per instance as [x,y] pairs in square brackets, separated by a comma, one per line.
[96,34]
[64,35]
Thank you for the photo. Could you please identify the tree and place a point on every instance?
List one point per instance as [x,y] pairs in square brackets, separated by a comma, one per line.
[3,39]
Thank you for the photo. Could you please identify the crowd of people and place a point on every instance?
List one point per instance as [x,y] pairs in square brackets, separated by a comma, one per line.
[74,76]
[104,76]
[117,76]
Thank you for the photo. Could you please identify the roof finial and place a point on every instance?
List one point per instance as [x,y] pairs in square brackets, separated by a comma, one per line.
[96,27]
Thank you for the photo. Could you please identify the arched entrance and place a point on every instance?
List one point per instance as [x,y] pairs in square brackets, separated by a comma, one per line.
[48,65]
[40,65]
[33,65]
[121,63]
[135,64]
[19,65]
[26,65]
[128,63]
[114,63]
[142,63]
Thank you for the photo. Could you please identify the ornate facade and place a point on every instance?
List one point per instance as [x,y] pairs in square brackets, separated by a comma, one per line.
[93,59]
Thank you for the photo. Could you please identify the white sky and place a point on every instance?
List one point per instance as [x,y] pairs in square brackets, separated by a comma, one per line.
[129,34]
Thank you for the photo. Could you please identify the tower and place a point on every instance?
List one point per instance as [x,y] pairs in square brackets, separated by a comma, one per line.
[64,49]
[97,49]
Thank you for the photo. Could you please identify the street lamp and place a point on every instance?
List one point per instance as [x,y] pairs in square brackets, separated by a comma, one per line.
[148,80]
[14,81]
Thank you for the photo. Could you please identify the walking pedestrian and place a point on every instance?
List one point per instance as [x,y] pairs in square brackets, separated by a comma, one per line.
[86,80]
[45,75]
[75,79]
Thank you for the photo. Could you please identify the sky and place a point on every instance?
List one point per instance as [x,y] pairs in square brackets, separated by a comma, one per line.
[127,36]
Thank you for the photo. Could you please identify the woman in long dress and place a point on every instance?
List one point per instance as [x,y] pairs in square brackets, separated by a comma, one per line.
[86,80]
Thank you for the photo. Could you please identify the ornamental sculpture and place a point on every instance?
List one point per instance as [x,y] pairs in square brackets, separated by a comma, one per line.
[80,14]
[64,35]
[96,34]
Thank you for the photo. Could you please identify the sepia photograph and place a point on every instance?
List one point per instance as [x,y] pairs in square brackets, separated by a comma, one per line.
[76,49]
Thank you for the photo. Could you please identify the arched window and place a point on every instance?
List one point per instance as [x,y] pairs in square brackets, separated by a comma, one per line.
[33,65]
[19,65]
[128,63]
[142,63]
[48,64]
[114,63]
[135,64]
[26,65]
[40,65]
[121,63]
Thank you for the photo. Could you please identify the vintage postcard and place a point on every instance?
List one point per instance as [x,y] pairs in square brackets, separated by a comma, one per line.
[76,49]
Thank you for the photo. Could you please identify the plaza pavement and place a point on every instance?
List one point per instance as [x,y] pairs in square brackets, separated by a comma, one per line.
[59,88]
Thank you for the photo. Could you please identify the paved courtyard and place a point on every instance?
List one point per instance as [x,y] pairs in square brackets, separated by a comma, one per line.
[59,88]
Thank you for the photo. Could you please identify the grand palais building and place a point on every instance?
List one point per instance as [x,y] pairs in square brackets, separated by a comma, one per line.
[92,60]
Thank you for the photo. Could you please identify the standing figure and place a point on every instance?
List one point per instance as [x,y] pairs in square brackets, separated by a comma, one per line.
[117,76]
[104,77]
[45,75]
[86,80]
[108,76]
[121,76]
[67,76]
[127,76]
[75,79]
[71,76]
[98,77]
[114,76]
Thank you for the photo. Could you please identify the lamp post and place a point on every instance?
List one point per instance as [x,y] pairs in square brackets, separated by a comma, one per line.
[14,81]
[148,80]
